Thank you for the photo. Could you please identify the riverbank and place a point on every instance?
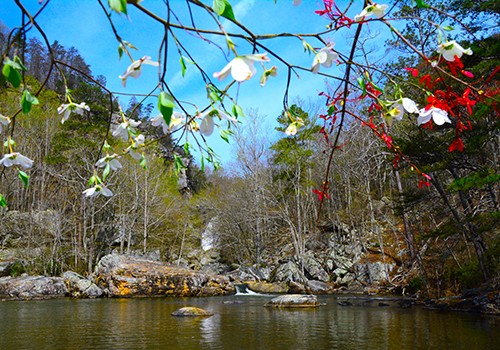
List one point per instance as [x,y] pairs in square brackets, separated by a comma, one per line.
[123,276]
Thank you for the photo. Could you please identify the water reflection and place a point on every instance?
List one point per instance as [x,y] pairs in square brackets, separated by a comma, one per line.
[148,324]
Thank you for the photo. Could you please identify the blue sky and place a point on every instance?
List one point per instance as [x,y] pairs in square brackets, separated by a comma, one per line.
[82,24]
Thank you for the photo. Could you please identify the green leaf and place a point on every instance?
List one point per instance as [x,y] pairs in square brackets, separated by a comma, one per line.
[213,93]
[119,6]
[224,134]
[24,177]
[120,51]
[143,163]
[129,44]
[448,28]
[362,84]
[91,181]
[179,164]
[223,8]
[421,4]
[183,66]
[186,148]
[166,106]
[105,173]
[27,101]
[11,73]
[331,109]
[18,64]
[202,163]
[238,111]
[3,202]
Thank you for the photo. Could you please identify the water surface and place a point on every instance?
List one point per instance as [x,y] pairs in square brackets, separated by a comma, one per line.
[240,322]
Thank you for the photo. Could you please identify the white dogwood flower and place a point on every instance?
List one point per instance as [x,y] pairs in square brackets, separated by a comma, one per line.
[97,190]
[438,116]
[324,57]
[137,142]
[451,49]
[68,108]
[242,67]
[16,158]
[398,109]
[134,70]
[207,122]
[375,9]
[175,120]
[125,128]
[112,160]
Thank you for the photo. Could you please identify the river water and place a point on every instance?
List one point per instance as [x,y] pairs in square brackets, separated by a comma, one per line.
[240,322]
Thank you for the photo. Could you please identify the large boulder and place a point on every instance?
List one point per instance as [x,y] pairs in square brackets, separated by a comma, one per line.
[313,269]
[294,301]
[266,287]
[81,287]
[124,276]
[287,272]
[32,287]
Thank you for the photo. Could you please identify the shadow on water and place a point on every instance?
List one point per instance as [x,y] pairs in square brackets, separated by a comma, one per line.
[240,322]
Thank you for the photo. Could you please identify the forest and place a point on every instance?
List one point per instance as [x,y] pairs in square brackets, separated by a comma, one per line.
[422,201]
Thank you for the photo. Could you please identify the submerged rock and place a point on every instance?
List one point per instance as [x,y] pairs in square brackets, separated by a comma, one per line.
[190,311]
[32,287]
[81,287]
[294,301]
[124,276]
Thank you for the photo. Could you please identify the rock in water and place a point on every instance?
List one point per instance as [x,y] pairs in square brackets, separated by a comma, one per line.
[294,301]
[125,276]
[190,311]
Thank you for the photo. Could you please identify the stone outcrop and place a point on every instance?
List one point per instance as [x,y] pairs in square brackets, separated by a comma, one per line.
[266,287]
[123,276]
[81,287]
[287,272]
[313,268]
[294,301]
[32,287]
[190,311]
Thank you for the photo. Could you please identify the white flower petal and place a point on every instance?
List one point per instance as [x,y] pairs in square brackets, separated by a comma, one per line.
[224,72]
[160,121]
[90,192]
[106,191]
[241,69]
[409,105]
[207,125]
[291,129]
[324,57]
[115,164]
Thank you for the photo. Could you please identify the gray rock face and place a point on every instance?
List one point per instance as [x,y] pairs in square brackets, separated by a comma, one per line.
[294,301]
[6,267]
[124,276]
[314,269]
[319,287]
[250,273]
[33,287]
[81,287]
[374,272]
[288,272]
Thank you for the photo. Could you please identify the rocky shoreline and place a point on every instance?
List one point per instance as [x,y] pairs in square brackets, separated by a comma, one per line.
[126,276]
